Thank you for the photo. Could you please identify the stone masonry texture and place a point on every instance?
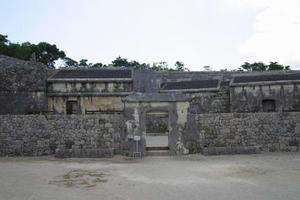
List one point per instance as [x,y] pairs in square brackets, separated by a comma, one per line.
[76,135]
[233,132]
[22,86]
[103,135]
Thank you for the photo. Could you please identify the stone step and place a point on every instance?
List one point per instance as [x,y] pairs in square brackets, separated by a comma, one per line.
[157,148]
[158,153]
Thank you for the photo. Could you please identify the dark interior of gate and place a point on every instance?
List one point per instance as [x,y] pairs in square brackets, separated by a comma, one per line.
[157,130]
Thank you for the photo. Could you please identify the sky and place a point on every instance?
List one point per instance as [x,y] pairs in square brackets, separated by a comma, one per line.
[216,33]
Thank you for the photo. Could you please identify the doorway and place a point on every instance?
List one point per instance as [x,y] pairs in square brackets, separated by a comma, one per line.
[72,107]
[157,130]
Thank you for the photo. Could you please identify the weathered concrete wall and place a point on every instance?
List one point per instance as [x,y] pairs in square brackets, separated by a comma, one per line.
[88,87]
[58,104]
[233,132]
[249,98]
[22,86]
[150,81]
[90,96]
[72,135]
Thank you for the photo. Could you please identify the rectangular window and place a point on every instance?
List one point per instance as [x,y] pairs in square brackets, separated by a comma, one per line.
[268,105]
[72,107]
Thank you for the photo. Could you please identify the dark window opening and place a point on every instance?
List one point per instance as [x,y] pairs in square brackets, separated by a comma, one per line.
[269,105]
[72,107]
[69,144]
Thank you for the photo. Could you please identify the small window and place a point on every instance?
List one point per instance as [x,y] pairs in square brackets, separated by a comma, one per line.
[268,105]
[72,107]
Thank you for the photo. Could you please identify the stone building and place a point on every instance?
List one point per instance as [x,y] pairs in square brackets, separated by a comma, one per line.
[98,112]
[88,91]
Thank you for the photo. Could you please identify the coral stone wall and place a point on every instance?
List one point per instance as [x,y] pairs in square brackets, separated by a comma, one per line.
[65,135]
[22,86]
[106,134]
[232,131]
[210,102]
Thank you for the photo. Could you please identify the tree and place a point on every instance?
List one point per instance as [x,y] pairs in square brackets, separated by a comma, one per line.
[207,68]
[3,39]
[158,66]
[44,52]
[70,62]
[161,66]
[120,62]
[276,66]
[98,65]
[123,62]
[260,66]
[83,62]
[179,66]
[48,53]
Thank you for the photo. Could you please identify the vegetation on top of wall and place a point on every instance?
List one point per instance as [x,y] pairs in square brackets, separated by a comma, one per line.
[42,52]
[49,54]
[260,66]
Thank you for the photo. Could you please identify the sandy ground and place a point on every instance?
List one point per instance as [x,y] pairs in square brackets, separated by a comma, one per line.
[261,176]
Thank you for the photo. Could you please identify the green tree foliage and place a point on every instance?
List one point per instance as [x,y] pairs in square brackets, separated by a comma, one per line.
[161,66]
[48,53]
[3,43]
[43,52]
[98,65]
[123,62]
[179,66]
[83,62]
[207,68]
[157,66]
[260,66]
[3,39]
[276,66]
[70,62]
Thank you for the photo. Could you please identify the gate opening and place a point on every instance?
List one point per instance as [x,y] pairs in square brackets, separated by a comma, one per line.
[157,130]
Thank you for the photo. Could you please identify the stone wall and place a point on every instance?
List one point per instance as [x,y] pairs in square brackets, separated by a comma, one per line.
[105,135]
[22,102]
[210,102]
[235,132]
[65,135]
[22,86]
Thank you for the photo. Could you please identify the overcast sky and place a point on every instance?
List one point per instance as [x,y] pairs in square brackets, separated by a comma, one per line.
[218,33]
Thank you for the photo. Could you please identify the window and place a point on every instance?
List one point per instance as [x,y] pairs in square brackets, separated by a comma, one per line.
[72,107]
[268,105]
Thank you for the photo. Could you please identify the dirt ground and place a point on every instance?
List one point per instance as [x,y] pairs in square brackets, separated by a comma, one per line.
[261,176]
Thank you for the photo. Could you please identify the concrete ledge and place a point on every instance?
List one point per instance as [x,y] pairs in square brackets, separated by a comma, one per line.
[230,150]
[156,97]
[87,94]
[93,80]
[84,153]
